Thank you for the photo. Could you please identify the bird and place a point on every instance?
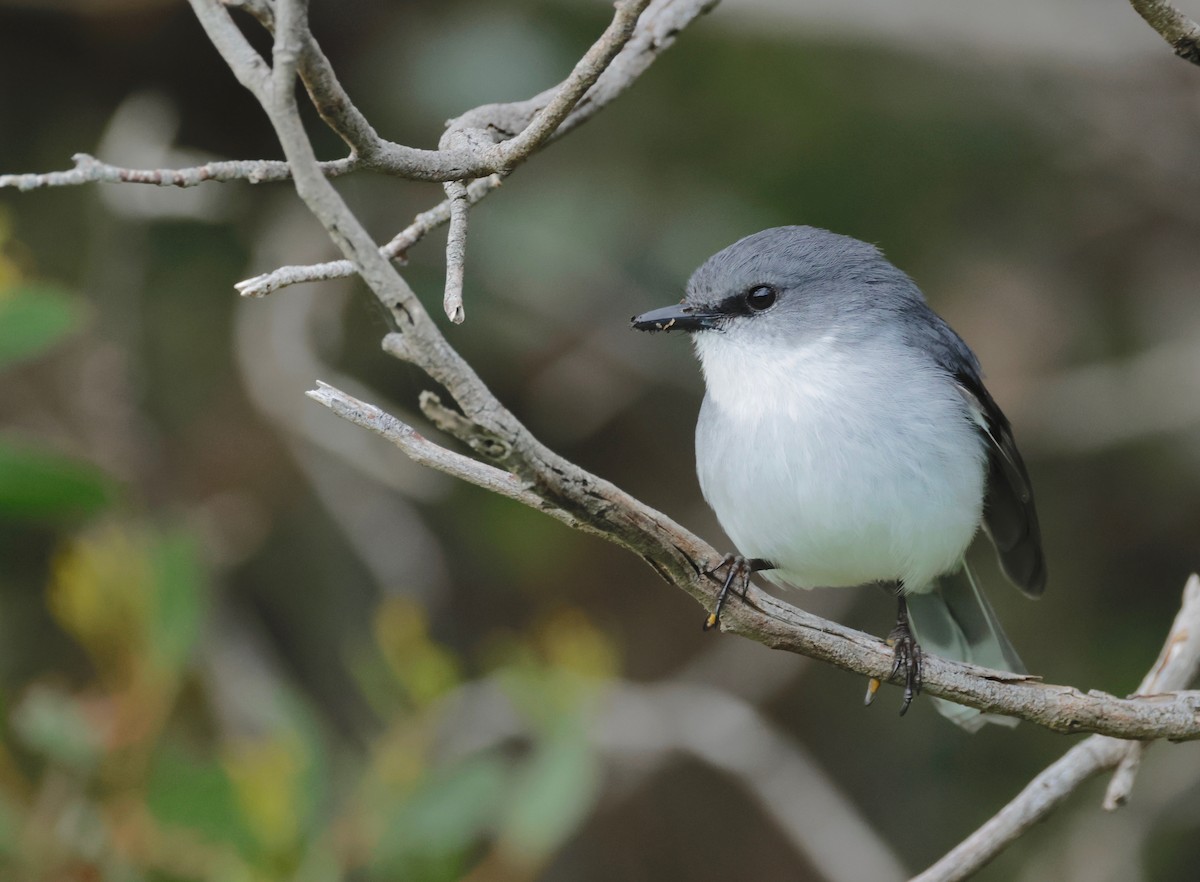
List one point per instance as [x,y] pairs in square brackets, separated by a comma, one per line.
[846,438]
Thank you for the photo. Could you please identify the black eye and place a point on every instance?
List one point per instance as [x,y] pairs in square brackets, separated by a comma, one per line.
[761,297]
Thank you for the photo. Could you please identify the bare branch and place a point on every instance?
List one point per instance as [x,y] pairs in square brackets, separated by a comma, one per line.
[1041,796]
[530,121]
[89,170]
[425,452]
[1173,26]
[656,31]
[1177,666]
[456,251]
[423,223]
[658,28]
[324,88]
[1169,714]
[588,69]
[1121,785]
[243,59]
[507,154]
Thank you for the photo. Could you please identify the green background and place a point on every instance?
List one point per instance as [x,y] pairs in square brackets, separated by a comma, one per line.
[241,640]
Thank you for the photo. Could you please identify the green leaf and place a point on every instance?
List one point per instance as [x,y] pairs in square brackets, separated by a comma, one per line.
[33,318]
[552,795]
[279,774]
[428,836]
[37,485]
[184,790]
[11,827]
[180,598]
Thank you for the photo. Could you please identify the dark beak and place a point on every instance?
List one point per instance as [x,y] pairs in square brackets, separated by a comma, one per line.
[676,318]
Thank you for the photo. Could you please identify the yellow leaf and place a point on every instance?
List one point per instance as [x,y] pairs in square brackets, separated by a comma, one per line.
[569,641]
[101,592]
[425,669]
[267,776]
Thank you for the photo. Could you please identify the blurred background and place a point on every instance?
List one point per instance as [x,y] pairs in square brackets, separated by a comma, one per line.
[242,640]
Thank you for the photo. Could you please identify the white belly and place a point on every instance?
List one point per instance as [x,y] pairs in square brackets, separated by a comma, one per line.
[836,474]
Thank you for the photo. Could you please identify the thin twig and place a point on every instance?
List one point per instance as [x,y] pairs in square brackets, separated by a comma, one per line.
[568,94]
[456,250]
[480,157]
[422,224]
[507,154]
[89,170]
[1121,784]
[1173,26]
[1177,666]
[328,95]
[657,30]
[1039,797]
[425,452]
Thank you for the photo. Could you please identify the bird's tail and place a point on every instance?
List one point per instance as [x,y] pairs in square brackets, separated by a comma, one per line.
[956,621]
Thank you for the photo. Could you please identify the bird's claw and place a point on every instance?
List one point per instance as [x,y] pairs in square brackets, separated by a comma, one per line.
[735,566]
[738,568]
[906,658]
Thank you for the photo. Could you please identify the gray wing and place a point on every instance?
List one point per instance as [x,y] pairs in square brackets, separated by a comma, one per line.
[1009,516]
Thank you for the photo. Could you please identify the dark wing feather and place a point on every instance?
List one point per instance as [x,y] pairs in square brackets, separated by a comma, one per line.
[1009,516]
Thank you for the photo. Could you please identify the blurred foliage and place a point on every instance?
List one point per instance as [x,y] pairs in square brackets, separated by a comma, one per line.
[143,788]
[237,645]
[130,770]
[37,484]
[33,318]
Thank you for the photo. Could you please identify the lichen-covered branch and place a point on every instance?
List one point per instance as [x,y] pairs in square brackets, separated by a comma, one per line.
[1173,26]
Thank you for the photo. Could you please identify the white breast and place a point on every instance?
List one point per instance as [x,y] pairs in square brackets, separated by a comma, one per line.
[840,464]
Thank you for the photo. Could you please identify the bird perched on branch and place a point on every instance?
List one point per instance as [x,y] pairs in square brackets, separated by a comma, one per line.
[846,438]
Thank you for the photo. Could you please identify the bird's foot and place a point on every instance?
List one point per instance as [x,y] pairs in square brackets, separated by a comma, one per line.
[738,569]
[906,658]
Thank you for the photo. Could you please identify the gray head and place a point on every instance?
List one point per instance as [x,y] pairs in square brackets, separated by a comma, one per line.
[791,284]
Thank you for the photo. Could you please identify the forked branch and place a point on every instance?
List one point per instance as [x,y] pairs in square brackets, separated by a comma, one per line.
[1176,668]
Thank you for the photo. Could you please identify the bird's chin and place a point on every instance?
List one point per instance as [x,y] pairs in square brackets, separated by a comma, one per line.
[722,344]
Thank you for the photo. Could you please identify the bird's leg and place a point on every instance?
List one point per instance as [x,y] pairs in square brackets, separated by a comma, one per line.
[738,567]
[906,655]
